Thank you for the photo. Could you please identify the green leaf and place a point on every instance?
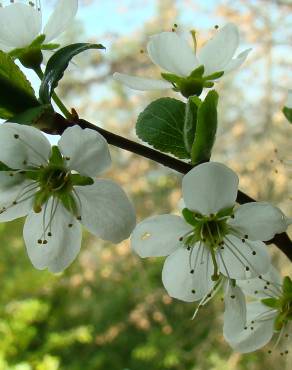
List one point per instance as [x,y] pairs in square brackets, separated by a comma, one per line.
[33,116]
[190,122]
[161,125]
[206,129]
[57,65]
[288,113]
[16,93]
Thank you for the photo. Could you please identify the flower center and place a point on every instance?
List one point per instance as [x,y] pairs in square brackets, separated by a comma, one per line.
[208,231]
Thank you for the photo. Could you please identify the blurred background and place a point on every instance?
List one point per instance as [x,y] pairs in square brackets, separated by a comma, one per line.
[109,310]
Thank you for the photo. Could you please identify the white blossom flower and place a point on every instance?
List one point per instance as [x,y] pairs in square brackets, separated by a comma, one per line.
[270,314]
[171,52]
[54,187]
[212,238]
[21,23]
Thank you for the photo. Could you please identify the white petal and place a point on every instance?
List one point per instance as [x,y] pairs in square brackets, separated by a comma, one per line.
[15,188]
[28,148]
[20,25]
[209,188]
[259,220]
[158,236]
[235,311]
[217,52]
[172,53]
[243,260]
[237,62]
[60,19]
[177,278]
[249,340]
[64,244]
[140,83]
[87,149]
[289,100]
[267,285]
[106,210]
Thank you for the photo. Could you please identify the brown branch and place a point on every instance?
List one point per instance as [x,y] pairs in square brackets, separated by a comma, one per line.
[282,241]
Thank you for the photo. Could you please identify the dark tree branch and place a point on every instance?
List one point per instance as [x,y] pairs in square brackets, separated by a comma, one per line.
[282,241]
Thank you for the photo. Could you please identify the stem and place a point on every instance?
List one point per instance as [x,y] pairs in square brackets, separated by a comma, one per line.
[282,241]
[55,97]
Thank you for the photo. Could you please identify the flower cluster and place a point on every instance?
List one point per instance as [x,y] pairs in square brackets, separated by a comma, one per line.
[214,244]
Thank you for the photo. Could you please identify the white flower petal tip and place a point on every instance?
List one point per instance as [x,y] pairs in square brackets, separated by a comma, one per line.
[106,210]
[218,52]
[172,53]
[60,19]
[259,221]
[90,162]
[20,25]
[289,100]
[237,62]
[209,188]
[158,236]
[140,83]
[58,246]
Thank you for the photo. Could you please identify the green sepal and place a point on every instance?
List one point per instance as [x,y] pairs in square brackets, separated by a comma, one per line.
[189,217]
[198,72]
[206,129]
[208,84]
[161,125]
[287,113]
[32,175]
[190,122]
[40,198]
[271,302]
[214,76]
[287,285]
[79,180]
[16,93]
[225,212]
[56,157]
[69,203]
[37,42]
[279,322]
[3,167]
[57,65]
[172,78]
